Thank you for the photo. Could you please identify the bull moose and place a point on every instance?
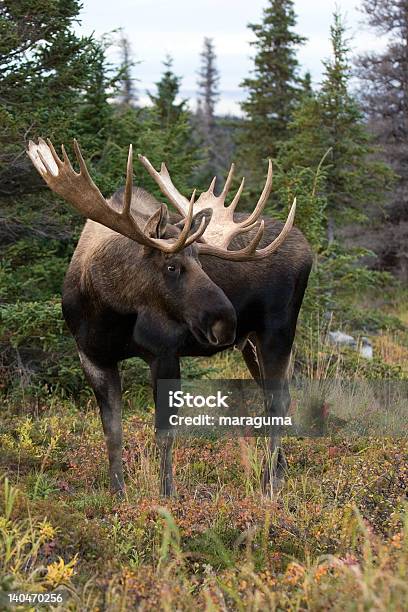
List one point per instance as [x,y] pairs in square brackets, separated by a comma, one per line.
[143,283]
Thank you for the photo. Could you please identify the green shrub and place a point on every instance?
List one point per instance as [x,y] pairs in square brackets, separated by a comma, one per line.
[38,354]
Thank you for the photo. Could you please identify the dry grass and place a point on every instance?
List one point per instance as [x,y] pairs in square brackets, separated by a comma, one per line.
[388,346]
[335,538]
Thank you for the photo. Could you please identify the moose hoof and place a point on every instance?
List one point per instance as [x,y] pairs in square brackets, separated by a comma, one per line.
[272,491]
[167,487]
[272,486]
[167,491]
[118,494]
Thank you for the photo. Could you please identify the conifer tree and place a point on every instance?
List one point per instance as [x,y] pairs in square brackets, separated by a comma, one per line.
[208,83]
[127,91]
[208,94]
[331,120]
[95,111]
[273,88]
[44,67]
[168,88]
[47,72]
[162,131]
[307,84]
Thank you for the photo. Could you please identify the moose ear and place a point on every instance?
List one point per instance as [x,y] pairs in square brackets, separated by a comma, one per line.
[196,222]
[156,225]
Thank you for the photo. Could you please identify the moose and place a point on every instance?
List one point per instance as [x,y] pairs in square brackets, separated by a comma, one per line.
[147,283]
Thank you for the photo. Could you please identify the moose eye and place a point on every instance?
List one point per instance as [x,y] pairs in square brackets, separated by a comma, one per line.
[171,268]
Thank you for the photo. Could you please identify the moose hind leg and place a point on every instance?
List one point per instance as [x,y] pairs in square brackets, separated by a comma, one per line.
[250,355]
[165,369]
[274,356]
[105,382]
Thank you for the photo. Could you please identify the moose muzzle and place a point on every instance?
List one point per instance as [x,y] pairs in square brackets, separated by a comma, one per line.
[216,325]
[222,331]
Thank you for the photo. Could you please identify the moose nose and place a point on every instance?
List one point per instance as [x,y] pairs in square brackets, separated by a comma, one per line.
[222,331]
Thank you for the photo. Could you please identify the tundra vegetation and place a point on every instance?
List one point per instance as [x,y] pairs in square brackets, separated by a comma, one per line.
[336,536]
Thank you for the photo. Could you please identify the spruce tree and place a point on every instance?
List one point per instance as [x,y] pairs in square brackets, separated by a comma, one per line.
[208,95]
[168,88]
[162,132]
[330,124]
[208,81]
[273,88]
[95,112]
[44,67]
[127,95]
[46,73]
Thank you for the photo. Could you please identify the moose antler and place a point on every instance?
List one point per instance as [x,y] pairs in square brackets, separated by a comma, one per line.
[222,228]
[81,192]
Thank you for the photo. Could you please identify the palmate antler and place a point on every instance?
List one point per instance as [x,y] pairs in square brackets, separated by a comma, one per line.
[222,228]
[80,191]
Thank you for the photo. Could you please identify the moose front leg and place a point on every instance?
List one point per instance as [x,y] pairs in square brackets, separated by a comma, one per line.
[165,371]
[105,382]
[274,363]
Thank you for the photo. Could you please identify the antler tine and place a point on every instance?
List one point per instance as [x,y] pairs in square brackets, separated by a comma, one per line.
[48,165]
[212,185]
[235,201]
[197,234]
[163,170]
[243,230]
[251,247]
[182,238]
[67,161]
[275,244]
[263,198]
[45,163]
[228,182]
[129,182]
[57,160]
[82,165]
[166,185]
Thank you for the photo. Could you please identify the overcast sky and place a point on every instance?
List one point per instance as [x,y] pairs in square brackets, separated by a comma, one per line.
[177,27]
